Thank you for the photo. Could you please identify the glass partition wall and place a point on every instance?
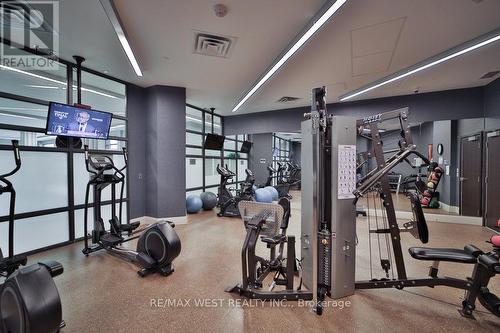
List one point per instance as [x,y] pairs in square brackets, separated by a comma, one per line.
[51,183]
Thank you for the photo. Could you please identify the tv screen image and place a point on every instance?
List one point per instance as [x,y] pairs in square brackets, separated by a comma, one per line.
[214,142]
[68,120]
[245,147]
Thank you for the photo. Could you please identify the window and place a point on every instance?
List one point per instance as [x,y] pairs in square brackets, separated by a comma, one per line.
[13,112]
[281,150]
[102,94]
[46,185]
[48,85]
[201,164]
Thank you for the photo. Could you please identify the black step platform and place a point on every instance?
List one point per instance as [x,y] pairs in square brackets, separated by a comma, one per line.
[110,240]
[129,227]
[453,255]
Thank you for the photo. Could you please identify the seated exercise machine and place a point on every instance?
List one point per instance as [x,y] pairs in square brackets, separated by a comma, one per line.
[158,244]
[328,216]
[269,222]
[29,300]
[226,201]
[388,232]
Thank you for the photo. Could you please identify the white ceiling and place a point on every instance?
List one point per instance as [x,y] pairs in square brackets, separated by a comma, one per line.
[365,41]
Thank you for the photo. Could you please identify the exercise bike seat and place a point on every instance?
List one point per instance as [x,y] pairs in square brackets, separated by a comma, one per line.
[278,239]
[437,254]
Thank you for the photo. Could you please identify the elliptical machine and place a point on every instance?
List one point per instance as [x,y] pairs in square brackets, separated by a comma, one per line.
[158,244]
[282,187]
[227,202]
[29,300]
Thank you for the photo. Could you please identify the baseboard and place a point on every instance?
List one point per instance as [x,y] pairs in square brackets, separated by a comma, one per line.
[149,219]
[403,215]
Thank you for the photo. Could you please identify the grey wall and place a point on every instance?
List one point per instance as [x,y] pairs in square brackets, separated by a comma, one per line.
[492,105]
[443,105]
[261,149]
[287,120]
[157,124]
[136,127]
[442,134]
[296,152]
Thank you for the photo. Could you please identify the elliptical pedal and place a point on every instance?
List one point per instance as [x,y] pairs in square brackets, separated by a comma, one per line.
[110,240]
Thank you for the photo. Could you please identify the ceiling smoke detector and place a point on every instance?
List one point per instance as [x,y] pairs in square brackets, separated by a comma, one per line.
[220,10]
[287,99]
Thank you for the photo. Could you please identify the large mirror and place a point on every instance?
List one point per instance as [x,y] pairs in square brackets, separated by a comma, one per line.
[454,188]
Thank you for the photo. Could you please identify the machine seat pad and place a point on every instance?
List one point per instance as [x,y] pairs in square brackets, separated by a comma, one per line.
[453,255]
[278,239]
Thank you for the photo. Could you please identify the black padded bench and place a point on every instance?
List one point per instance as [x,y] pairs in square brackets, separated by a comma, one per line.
[466,256]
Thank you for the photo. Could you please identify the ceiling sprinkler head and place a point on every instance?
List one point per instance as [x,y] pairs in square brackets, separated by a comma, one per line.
[220,10]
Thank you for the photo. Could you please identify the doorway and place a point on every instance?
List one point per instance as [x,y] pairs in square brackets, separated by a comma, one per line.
[470,175]
[492,212]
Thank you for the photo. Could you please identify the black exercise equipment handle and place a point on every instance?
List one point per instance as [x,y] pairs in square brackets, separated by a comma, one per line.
[125,155]
[87,159]
[125,158]
[100,172]
[17,157]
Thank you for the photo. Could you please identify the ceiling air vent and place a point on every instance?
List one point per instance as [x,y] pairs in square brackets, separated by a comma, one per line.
[212,45]
[489,75]
[286,99]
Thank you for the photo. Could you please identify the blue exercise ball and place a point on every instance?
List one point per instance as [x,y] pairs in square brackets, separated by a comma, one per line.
[254,188]
[263,195]
[209,200]
[274,192]
[193,203]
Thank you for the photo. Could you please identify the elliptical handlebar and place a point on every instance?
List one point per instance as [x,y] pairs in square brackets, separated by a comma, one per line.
[87,159]
[225,172]
[125,159]
[125,155]
[17,157]
[110,165]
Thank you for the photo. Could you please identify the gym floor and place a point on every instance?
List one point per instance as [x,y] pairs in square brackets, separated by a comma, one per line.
[104,294]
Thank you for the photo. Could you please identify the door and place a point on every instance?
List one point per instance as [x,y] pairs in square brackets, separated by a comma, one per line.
[492,214]
[470,175]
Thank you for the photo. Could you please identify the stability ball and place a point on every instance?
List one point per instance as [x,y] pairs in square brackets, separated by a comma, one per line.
[274,192]
[193,203]
[209,200]
[263,195]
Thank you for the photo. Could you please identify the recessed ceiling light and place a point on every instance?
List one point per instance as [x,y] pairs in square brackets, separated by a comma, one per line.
[428,63]
[105,71]
[293,49]
[110,10]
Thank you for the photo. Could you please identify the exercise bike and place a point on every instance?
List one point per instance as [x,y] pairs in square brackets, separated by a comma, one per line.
[269,222]
[29,300]
[226,201]
[158,244]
